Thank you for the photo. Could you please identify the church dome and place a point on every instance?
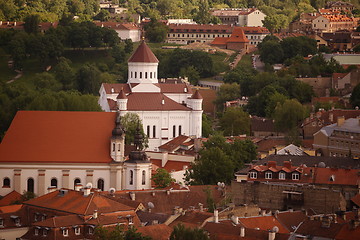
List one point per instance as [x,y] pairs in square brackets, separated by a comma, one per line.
[118,130]
[143,54]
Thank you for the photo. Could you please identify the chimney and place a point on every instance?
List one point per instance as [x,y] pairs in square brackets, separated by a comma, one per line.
[132,196]
[331,117]
[95,214]
[86,191]
[235,220]
[201,207]
[167,192]
[271,235]
[340,121]
[78,186]
[216,216]
[242,232]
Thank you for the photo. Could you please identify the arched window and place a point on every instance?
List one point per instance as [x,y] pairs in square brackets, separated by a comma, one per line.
[6,182]
[179,130]
[143,181]
[130,74]
[100,184]
[119,147]
[174,131]
[76,181]
[140,74]
[113,147]
[135,74]
[145,74]
[148,130]
[131,177]
[150,74]
[154,131]
[54,182]
[30,185]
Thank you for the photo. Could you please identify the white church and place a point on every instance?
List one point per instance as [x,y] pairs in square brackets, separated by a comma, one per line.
[46,150]
[167,110]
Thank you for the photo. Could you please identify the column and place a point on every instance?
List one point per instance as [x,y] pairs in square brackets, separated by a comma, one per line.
[113,177]
[65,179]
[41,182]
[17,180]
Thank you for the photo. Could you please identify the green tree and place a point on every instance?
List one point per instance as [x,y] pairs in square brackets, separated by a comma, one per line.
[118,53]
[274,100]
[235,122]
[103,15]
[227,92]
[27,195]
[191,73]
[162,178]
[180,232]
[355,96]
[129,45]
[88,79]
[271,52]
[46,80]
[156,31]
[275,22]
[203,15]
[131,121]
[64,73]
[31,24]
[206,126]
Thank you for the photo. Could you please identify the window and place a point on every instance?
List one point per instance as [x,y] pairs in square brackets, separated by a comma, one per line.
[45,232]
[1,222]
[113,147]
[143,181]
[146,74]
[130,74]
[77,230]
[100,184]
[65,232]
[43,217]
[130,220]
[154,131]
[30,185]
[268,175]
[17,221]
[36,231]
[54,182]
[76,182]
[131,177]
[140,74]
[154,74]
[148,130]
[174,131]
[36,217]
[253,175]
[91,230]
[150,74]
[282,175]
[6,182]
[179,129]
[295,176]
[135,74]
[119,147]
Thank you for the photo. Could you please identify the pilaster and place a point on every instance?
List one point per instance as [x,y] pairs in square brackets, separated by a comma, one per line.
[41,182]
[65,178]
[17,180]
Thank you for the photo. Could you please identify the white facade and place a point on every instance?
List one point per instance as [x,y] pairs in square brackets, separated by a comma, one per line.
[253,19]
[133,34]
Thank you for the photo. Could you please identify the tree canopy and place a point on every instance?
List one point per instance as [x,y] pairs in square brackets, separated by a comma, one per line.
[162,178]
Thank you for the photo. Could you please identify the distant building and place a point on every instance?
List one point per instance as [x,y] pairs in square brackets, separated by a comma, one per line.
[112,8]
[243,17]
[340,6]
[124,30]
[333,23]
[262,127]
[237,41]
[339,139]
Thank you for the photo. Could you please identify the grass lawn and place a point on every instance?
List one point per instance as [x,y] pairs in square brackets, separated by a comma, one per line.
[245,61]
[6,73]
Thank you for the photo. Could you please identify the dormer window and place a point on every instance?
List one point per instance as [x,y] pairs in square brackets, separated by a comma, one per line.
[77,230]
[295,176]
[65,232]
[1,223]
[130,218]
[45,232]
[91,230]
[282,176]
[253,175]
[16,220]
[268,175]
[36,231]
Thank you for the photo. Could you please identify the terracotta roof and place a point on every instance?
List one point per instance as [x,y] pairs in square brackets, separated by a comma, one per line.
[75,202]
[170,166]
[339,75]
[238,36]
[158,231]
[143,54]
[121,95]
[291,220]
[219,41]
[201,28]
[263,223]
[148,217]
[118,26]
[196,95]
[255,30]
[10,208]
[10,198]
[259,124]
[174,88]
[116,87]
[348,232]
[356,199]
[334,176]
[174,144]
[233,12]
[193,219]
[314,228]
[338,18]
[56,136]
[153,102]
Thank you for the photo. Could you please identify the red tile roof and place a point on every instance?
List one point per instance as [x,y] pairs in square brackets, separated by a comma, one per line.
[174,88]
[143,54]
[193,219]
[10,198]
[170,166]
[10,208]
[75,202]
[121,95]
[200,28]
[238,36]
[356,199]
[196,95]
[55,136]
[219,41]
[174,143]
[153,102]
[291,220]
[158,231]
[263,223]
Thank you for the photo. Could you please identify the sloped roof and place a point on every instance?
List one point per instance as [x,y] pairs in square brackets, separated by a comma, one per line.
[143,54]
[291,220]
[56,136]
[238,36]
[174,143]
[262,222]
[75,202]
[139,101]
[121,95]
[170,166]
[313,228]
[193,219]
[292,150]
[196,95]
[10,208]
[260,124]
[10,198]
[356,199]
[158,231]
[174,88]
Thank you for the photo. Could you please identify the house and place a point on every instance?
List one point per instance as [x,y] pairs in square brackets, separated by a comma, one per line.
[166,110]
[340,6]
[338,41]
[112,8]
[304,24]
[124,30]
[339,139]
[262,127]
[321,85]
[206,33]
[322,118]
[333,22]
[244,17]
[237,41]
